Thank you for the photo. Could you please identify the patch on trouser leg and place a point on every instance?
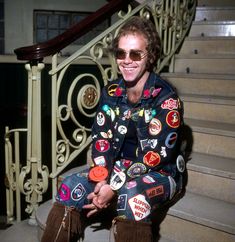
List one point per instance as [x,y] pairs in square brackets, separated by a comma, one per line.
[172,186]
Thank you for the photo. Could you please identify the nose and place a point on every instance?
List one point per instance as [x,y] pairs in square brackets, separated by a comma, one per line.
[127,58]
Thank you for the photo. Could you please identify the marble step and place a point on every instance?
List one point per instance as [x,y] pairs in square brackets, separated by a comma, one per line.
[205,84]
[213,138]
[216,13]
[225,3]
[214,108]
[212,28]
[200,218]
[212,176]
[208,45]
[207,64]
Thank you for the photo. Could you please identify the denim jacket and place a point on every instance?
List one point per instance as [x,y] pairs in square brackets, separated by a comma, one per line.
[158,118]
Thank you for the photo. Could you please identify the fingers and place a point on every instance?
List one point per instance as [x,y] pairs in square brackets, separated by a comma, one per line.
[93,209]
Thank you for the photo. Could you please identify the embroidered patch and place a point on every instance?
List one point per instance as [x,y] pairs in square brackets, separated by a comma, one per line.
[173,119]
[112,89]
[100,119]
[136,170]
[155,126]
[152,159]
[64,192]
[148,143]
[100,161]
[180,163]
[155,191]
[121,203]
[117,180]
[122,129]
[148,179]
[131,184]
[78,192]
[108,135]
[170,104]
[139,207]
[102,145]
[171,140]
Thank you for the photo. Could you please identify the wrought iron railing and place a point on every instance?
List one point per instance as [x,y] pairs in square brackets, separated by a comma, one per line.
[74,100]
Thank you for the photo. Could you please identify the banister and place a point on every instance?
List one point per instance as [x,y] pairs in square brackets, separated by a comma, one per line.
[38,51]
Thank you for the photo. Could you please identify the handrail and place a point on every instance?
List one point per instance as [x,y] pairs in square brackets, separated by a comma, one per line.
[38,51]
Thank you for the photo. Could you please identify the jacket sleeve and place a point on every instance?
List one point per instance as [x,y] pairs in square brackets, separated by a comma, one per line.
[102,140]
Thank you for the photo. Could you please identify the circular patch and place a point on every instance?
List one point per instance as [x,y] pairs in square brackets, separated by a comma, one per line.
[117,180]
[98,173]
[122,129]
[100,119]
[171,140]
[136,170]
[152,159]
[180,163]
[173,119]
[155,126]
[102,145]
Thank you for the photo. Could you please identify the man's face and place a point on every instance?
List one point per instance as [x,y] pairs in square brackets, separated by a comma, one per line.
[132,68]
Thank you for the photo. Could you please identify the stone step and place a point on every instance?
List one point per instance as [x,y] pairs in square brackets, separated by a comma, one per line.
[212,176]
[200,218]
[214,108]
[215,13]
[212,28]
[209,64]
[205,84]
[212,138]
[95,232]
[217,3]
[208,45]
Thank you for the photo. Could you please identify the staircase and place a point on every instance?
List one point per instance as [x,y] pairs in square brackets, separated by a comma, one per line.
[205,78]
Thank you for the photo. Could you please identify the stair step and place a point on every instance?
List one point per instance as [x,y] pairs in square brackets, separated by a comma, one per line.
[212,176]
[213,3]
[208,45]
[219,109]
[205,84]
[215,13]
[200,218]
[212,28]
[209,64]
[212,137]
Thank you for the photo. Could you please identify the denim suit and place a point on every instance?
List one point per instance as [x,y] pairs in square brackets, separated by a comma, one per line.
[144,173]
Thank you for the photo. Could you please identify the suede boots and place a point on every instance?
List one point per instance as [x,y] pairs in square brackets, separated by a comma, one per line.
[63,225]
[131,231]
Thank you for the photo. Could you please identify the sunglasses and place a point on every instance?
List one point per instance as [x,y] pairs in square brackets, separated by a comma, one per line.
[134,55]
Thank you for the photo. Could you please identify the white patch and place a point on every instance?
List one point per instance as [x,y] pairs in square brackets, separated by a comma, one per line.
[139,206]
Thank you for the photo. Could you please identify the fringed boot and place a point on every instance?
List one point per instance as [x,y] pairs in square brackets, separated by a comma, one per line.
[131,231]
[63,225]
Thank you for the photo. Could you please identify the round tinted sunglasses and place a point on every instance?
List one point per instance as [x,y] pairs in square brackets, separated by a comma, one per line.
[134,55]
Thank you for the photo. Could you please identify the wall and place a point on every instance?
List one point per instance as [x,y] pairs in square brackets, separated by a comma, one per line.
[19,17]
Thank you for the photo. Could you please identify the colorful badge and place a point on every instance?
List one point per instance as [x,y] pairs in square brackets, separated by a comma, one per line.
[100,161]
[107,135]
[148,179]
[139,207]
[136,170]
[122,129]
[155,191]
[117,180]
[173,119]
[155,126]
[151,159]
[148,143]
[78,192]
[100,119]
[131,184]
[98,173]
[64,192]
[102,145]
[121,203]
[170,104]
[171,140]
[112,89]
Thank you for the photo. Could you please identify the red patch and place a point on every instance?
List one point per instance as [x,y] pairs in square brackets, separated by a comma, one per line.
[173,119]
[155,191]
[102,145]
[152,159]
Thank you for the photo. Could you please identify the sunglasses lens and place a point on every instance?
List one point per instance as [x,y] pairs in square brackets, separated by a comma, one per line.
[120,54]
[135,55]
